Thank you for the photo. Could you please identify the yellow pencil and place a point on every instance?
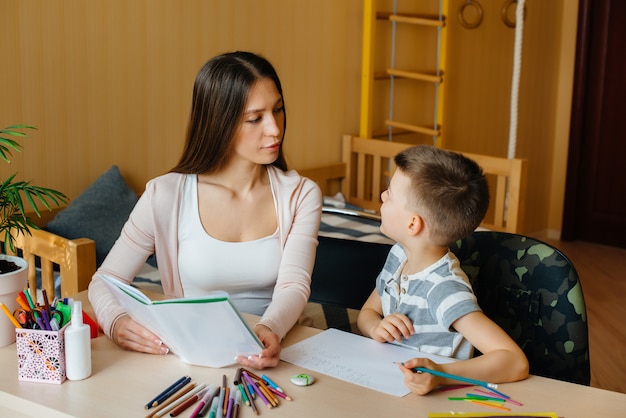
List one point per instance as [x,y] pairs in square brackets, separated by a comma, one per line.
[488,403]
[11,317]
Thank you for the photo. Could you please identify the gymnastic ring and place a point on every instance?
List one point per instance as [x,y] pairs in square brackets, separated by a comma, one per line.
[479,11]
[505,13]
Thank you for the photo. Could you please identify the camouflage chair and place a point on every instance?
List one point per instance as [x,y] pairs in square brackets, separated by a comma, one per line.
[532,291]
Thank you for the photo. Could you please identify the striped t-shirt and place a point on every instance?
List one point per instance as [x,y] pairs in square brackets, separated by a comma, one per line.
[432,299]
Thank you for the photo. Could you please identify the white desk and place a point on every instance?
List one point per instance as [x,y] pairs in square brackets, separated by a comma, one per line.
[123,381]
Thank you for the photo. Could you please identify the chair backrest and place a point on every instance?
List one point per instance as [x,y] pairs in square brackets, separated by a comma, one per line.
[533,292]
[345,271]
[369,166]
[344,275]
[75,259]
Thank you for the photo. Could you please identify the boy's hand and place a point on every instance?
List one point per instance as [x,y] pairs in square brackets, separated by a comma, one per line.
[419,383]
[393,327]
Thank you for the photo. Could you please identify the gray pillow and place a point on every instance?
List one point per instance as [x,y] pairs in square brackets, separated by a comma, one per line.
[98,213]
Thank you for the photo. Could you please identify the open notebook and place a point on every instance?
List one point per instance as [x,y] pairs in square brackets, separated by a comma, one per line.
[205,331]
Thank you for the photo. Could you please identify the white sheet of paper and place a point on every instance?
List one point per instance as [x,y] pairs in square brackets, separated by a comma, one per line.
[355,359]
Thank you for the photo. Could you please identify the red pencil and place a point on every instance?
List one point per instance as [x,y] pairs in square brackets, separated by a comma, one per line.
[180,408]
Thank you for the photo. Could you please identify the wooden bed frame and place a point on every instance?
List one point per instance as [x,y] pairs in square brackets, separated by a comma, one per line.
[367,165]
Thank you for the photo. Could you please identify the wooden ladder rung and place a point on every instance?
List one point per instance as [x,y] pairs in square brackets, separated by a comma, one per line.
[433,78]
[413,19]
[418,129]
[384,133]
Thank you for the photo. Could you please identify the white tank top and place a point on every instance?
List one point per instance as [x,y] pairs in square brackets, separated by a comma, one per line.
[246,270]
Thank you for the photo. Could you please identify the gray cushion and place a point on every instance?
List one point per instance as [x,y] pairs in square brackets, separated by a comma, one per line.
[98,213]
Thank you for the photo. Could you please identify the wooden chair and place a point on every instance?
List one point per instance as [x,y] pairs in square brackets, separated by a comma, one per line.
[367,166]
[75,260]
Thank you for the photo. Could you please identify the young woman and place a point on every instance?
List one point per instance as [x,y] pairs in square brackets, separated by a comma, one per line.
[228,217]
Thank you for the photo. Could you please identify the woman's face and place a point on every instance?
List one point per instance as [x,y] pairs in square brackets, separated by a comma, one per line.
[260,133]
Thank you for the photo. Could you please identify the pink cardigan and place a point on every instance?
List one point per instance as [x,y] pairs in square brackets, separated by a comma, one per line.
[153,228]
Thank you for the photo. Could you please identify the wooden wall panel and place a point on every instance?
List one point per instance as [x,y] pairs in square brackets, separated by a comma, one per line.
[479,77]
[110,82]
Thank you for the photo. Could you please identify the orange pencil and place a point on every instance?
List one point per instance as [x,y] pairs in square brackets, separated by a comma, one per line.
[268,394]
[225,403]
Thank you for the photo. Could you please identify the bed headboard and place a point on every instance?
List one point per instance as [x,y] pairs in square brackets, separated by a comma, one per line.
[367,165]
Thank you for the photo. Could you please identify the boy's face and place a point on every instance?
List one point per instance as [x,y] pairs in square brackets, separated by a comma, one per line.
[394,211]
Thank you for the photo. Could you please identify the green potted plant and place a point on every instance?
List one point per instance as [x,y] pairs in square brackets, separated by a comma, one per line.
[16,197]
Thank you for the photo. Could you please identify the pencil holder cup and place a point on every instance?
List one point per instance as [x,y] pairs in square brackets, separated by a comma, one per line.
[40,355]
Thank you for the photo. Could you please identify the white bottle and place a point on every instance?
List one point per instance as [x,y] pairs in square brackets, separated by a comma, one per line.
[77,346]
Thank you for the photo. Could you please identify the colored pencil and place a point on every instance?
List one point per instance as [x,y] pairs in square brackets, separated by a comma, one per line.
[281,394]
[187,403]
[256,389]
[455,377]
[268,395]
[150,404]
[229,408]
[164,406]
[271,383]
[500,394]
[250,398]
[488,403]
[11,317]
[161,399]
[179,398]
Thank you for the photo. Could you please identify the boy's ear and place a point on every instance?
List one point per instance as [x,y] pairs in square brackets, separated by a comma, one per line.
[416,225]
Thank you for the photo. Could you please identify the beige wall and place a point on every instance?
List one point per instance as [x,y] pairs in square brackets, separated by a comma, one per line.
[480,65]
[109,82]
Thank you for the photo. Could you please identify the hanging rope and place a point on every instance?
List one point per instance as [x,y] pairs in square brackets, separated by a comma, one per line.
[517,64]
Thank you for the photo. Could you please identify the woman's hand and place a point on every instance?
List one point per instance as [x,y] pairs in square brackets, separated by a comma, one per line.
[132,336]
[270,356]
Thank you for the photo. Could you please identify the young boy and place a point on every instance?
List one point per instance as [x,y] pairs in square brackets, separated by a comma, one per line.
[422,298]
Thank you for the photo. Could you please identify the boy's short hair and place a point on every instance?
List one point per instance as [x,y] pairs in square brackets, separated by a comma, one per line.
[449,191]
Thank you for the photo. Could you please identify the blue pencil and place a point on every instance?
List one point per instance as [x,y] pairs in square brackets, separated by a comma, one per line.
[156,398]
[454,377]
[170,391]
